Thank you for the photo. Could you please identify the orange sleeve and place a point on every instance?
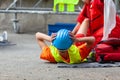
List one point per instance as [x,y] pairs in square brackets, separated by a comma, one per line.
[47,55]
[84,51]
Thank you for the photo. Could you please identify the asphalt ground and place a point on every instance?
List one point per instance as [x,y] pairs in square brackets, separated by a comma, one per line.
[20,61]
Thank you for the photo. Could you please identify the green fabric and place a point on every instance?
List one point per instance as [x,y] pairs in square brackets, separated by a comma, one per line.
[55,54]
[70,4]
[73,53]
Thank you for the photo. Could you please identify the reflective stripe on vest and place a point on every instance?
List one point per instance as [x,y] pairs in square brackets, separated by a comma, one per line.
[73,53]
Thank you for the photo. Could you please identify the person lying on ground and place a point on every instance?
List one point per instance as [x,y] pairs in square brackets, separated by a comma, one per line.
[71,54]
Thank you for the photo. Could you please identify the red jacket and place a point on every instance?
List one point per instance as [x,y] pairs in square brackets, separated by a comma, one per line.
[94,11]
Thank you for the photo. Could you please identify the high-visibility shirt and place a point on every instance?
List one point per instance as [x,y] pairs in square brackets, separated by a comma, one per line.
[75,54]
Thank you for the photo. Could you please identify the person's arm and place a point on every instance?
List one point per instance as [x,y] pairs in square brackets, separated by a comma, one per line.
[41,38]
[75,30]
[81,17]
[46,52]
[89,40]
[83,14]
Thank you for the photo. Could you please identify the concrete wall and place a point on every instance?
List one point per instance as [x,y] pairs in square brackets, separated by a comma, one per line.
[32,22]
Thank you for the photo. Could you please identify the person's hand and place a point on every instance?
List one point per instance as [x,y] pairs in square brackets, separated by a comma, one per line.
[53,35]
[72,36]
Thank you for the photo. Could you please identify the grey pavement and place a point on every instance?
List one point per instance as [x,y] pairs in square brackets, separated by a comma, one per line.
[21,62]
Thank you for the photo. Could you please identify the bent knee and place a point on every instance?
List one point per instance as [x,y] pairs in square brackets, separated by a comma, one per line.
[86,20]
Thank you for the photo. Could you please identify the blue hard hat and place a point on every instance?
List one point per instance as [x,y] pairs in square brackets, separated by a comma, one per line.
[62,40]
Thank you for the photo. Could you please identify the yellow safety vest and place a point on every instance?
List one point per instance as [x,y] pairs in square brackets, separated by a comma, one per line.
[73,53]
